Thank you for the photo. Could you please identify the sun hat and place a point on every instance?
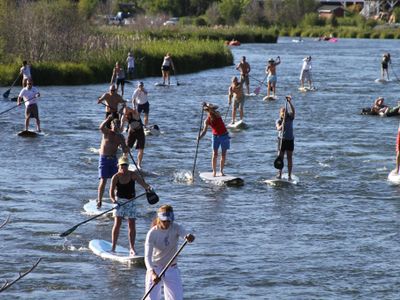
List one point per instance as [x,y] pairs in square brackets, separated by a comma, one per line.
[271,60]
[123,161]
[166,216]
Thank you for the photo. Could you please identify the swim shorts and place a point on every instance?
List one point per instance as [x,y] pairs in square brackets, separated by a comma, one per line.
[138,137]
[221,140]
[126,211]
[165,68]
[287,145]
[144,108]
[271,78]
[32,111]
[108,166]
[238,102]
[244,78]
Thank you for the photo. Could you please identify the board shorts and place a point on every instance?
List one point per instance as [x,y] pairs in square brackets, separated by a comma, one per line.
[108,166]
[138,137]
[305,75]
[144,108]
[238,102]
[244,78]
[165,68]
[120,81]
[32,111]
[221,140]
[287,145]
[271,78]
[131,71]
[126,211]
[384,66]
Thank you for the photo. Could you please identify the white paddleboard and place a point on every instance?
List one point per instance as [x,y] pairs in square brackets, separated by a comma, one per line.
[394,177]
[164,84]
[307,89]
[270,98]
[237,125]
[251,95]
[381,80]
[283,181]
[102,248]
[28,133]
[221,180]
[151,130]
[91,209]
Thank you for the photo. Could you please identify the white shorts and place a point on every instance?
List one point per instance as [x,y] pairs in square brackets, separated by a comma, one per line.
[305,75]
[171,281]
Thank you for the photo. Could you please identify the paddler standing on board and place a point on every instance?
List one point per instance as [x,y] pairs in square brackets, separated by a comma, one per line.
[28,95]
[284,125]
[305,74]
[122,189]
[398,151]
[166,67]
[244,68]
[271,75]
[111,101]
[108,163]
[236,92]
[220,136]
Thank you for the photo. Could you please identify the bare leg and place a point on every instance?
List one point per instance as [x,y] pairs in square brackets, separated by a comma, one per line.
[164,76]
[282,156]
[122,89]
[268,88]
[397,162]
[222,162]
[146,119]
[248,88]
[100,191]
[140,157]
[233,113]
[241,111]
[214,162]
[132,235]
[26,123]
[115,232]
[290,163]
[274,88]
[38,125]
[168,78]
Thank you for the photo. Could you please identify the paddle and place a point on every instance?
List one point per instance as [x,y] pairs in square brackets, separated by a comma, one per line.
[72,229]
[15,106]
[198,140]
[278,163]
[176,78]
[257,89]
[165,269]
[395,75]
[151,196]
[227,111]
[7,93]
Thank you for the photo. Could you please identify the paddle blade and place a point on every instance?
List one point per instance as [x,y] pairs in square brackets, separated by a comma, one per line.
[278,163]
[152,197]
[14,99]
[6,93]
[69,231]
[257,90]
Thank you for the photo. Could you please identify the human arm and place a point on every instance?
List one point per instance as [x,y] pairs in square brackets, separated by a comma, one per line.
[278,61]
[113,76]
[205,127]
[230,95]
[289,100]
[103,126]
[148,256]
[140,180]
[113,185]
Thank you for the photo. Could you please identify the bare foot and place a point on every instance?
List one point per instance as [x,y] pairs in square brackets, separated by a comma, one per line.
[98,204]
[278,176]
[214,174]
[132,252]
[222,173]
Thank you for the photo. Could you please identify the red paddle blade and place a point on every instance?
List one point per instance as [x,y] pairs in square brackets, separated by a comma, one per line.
[257,90]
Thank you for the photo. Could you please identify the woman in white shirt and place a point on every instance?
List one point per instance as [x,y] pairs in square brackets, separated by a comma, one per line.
[160,246]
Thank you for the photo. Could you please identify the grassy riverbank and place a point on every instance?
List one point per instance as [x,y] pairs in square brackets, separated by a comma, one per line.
[92,66]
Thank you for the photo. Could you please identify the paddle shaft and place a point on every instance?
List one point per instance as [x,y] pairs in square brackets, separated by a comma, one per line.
[198,141]
[72,229]
[165,268]
[227,111]
[6,93]
[395,75]
[3,112]
[283,129]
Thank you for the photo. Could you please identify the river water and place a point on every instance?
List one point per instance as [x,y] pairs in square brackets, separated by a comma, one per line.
[335,235]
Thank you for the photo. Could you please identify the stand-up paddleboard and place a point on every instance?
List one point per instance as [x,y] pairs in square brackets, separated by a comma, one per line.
[237,125]
[251,95]
[283,181]
[382,80]
[394,177]
[270,98]
[307,89]
[165,84]
[143,172]
[28,133]
[103,249]
[91,209]
[152,130]
[228,180]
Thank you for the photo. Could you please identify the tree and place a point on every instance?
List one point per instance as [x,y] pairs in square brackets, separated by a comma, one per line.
[88,7]
[231,10]
[253,14]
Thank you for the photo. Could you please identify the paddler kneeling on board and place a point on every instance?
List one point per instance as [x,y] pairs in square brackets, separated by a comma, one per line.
[122,189]
[284,125]
[220,136]
[160,247]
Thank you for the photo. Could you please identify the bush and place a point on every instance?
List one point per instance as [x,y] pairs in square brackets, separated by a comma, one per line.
[200,21]
[312,19]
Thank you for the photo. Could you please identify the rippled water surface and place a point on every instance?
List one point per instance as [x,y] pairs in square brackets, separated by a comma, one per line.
[333,236]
